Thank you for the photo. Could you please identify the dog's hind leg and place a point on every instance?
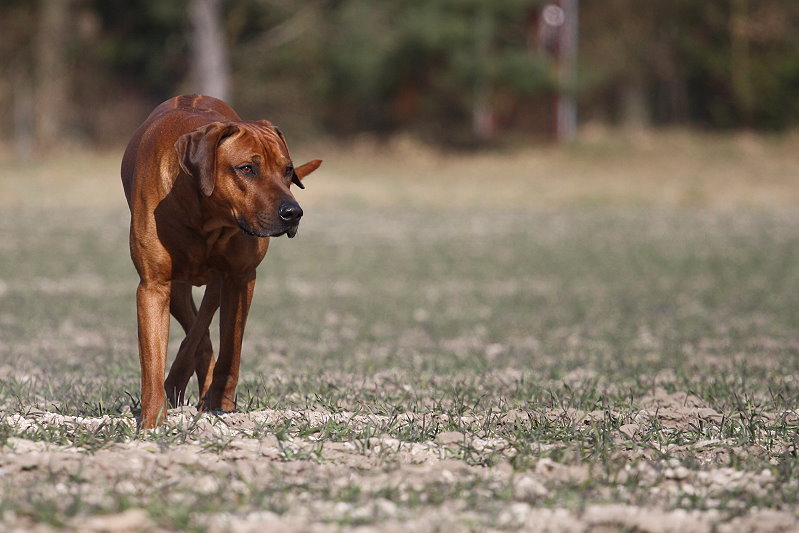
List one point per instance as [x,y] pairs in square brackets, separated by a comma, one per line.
[204,357]
[196,353]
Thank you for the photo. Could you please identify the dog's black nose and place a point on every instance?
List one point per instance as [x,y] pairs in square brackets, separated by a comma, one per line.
[290,211]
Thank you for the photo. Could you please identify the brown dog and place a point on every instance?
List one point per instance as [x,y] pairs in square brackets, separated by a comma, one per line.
[206,190]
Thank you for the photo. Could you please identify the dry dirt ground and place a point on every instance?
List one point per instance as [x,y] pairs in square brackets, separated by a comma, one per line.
[228,472]
[601,338]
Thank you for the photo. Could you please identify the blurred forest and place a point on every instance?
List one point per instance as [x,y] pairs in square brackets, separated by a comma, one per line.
[457,72]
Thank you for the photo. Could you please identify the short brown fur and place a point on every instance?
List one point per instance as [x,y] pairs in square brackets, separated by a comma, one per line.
[206,190]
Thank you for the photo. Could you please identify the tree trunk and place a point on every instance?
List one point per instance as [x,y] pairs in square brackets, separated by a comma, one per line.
[210,62]
[483,124]
[52,73]
[635,113]
[22,112]
[739,60]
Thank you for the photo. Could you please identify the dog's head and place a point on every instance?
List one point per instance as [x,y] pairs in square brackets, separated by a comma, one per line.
[245,168]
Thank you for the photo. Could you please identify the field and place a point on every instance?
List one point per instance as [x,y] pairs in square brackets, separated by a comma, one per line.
[603,337]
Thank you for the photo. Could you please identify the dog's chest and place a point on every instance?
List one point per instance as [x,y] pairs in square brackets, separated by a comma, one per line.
[217,240]
[225,251]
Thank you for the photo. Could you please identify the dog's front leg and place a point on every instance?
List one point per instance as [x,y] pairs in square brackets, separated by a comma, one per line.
[235,305]
[152,307]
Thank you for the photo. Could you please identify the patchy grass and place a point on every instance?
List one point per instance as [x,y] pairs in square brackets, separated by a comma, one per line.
[597,350]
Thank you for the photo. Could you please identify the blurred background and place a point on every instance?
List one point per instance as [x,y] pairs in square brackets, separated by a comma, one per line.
[454,73]
[535,220]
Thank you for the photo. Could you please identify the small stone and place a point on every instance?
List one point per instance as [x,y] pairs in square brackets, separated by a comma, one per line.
[130,521]
[450,437]
[503,469]
[528,488]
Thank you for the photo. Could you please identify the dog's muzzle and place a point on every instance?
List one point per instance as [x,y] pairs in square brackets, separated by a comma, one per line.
[286,222]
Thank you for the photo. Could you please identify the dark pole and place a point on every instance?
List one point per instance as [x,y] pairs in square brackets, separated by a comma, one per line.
[566,111]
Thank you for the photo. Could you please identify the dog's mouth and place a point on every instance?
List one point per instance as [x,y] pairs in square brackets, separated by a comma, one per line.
[289,231]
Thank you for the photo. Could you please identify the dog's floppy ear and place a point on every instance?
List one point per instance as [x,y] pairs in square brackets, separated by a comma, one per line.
[197,152]
[303,170]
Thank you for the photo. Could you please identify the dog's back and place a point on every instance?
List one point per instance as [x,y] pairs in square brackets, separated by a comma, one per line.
[196,107]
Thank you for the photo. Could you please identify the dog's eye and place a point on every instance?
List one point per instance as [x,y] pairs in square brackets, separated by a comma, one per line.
[247,169]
